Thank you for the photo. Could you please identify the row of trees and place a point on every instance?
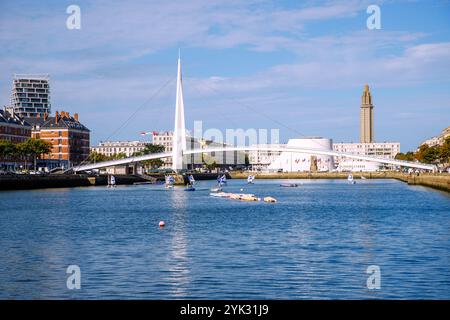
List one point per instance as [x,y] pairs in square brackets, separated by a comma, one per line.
[149,149]
[427,154]
[25,150]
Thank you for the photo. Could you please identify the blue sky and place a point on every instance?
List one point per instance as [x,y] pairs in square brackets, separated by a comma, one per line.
[246,64]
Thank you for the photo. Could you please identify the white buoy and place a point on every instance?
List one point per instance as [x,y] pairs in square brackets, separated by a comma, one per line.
[162,224]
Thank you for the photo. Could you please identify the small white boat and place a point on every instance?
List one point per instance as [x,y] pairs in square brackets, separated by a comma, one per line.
[222,179]
[220,195]
[111,182]
[169,182]
[289,185]
[250,179]
[350,179]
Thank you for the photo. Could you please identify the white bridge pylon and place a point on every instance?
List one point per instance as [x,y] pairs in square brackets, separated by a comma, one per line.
[179,146]
[179,133]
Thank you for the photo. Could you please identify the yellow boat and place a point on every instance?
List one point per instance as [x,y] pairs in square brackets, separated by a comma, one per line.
[249,197]
[270,199]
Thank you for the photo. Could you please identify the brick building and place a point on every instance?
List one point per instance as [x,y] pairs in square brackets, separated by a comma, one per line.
[15,129]
[68,136]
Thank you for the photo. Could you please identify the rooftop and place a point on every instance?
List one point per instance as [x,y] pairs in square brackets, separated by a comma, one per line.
[61,120]
[45,76]
[6,117]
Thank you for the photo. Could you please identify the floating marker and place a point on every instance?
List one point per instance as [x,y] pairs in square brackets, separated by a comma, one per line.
[162,224]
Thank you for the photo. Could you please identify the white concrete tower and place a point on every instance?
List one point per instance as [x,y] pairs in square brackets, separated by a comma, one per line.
[179,134]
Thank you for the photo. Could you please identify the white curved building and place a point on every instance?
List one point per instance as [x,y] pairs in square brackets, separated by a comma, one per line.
[353,165]
[305,162]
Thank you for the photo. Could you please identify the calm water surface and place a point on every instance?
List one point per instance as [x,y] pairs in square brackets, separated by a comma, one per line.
[316,242]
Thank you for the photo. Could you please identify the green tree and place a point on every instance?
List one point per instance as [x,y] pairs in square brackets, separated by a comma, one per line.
[150,149]
[445,151]
[211,166]
[427,154]
[409,156]
[7,148]
[33,147]
[432,155]
[97,157]
[120,155]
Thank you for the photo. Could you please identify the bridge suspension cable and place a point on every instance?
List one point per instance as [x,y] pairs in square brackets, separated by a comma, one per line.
[133,114]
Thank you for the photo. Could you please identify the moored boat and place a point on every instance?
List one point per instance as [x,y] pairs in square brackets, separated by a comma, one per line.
[350,179]
[270,199]
[220,195]
[288,185]
[248,197]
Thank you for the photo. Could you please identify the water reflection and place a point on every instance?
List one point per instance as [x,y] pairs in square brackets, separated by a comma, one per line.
[179,269]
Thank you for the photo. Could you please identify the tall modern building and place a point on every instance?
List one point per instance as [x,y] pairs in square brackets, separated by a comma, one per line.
[366,117]
[30,95]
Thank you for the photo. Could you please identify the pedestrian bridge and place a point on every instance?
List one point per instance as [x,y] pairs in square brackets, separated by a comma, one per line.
[104,164]
[179,149]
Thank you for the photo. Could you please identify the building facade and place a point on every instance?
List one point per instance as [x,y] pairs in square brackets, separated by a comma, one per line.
[67,135]
[15,129]
[224,159]
[375,149]
[30,95]
[366,117]
[260,160]
[111,148]
[437,140]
